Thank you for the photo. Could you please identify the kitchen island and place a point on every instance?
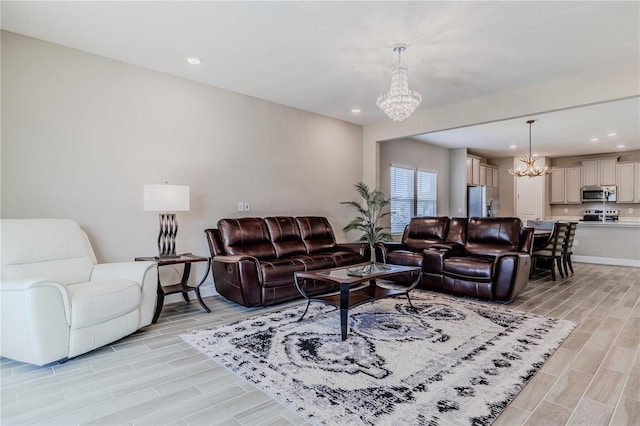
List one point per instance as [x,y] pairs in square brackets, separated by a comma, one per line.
[609,243]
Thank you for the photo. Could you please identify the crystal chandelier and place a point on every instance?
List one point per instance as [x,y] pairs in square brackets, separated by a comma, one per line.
[530,169]
[399,102]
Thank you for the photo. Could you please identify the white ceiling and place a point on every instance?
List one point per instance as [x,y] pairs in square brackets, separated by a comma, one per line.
[331,57]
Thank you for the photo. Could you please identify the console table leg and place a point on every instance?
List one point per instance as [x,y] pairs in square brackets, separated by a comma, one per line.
[198,295]
[185,280]
[159,303]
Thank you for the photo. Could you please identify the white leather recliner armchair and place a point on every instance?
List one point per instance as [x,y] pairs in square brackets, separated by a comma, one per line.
[57,302]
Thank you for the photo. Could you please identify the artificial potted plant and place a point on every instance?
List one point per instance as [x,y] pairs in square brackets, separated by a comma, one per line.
[369,214]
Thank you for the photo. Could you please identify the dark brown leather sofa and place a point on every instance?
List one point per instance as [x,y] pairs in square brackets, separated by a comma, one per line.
[488,258]
[254,259]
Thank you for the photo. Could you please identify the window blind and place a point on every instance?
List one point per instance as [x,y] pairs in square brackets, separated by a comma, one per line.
[402,196]
[413,193]
[426,194]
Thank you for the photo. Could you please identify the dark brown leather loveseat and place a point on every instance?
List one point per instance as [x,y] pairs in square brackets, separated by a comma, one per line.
[422,233]
[254,259]
[489,258]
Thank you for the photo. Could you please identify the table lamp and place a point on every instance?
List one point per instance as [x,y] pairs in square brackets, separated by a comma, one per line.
[167,199]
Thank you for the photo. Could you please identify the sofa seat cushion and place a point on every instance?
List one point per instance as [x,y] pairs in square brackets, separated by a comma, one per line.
[97,302]
[405,258]
[277,272]
[344,258]
[313,262]
[472,267]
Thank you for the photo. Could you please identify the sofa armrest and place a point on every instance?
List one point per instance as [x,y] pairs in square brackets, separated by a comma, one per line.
[511,274]
[144,273]
[526,240]
[433,260]
[384,248]
[237,278]
[35,318]
[362,249]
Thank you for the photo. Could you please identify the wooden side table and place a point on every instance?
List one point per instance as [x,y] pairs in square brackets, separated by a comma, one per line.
[182,287]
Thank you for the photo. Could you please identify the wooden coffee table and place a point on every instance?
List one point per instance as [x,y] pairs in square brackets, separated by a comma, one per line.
[353,288]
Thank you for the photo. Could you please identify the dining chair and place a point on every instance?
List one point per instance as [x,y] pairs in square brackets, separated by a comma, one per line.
[568,248]
[553,251]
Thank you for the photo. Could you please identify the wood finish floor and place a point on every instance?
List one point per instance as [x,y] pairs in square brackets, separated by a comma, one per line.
[153,377]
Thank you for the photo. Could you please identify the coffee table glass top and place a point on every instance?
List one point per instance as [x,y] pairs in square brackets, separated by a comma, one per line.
[358,272]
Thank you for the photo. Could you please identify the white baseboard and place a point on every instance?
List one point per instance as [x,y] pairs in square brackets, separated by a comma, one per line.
[607,261]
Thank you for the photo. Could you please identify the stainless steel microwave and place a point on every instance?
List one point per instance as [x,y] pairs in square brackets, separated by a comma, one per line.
[598,193]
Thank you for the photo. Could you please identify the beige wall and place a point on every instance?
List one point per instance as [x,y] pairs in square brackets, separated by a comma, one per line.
[82,134]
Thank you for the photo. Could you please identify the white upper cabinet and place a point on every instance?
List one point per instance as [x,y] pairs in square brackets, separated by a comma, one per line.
[628,180]
[481,174]
[565,185]
[601,171]
[473,170]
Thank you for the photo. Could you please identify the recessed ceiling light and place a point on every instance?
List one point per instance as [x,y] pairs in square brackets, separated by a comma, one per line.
[620,146]
[611,134]
[194,61]
[356,110]
[513,146]
[594,139]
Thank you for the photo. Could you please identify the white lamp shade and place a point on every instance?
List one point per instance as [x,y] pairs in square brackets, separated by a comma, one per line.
[166,198]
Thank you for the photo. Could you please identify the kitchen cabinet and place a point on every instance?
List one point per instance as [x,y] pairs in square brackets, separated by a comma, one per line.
[628,180]
[473,170]
[488,175]
[483,175]
[495,174]
[601,171]
[565,185]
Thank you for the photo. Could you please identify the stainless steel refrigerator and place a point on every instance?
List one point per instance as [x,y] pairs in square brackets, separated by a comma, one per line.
[483,201]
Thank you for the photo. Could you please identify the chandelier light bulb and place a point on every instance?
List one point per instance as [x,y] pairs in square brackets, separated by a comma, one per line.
[399,102]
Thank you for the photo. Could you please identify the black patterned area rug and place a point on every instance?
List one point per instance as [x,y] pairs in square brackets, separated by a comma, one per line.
[452,361]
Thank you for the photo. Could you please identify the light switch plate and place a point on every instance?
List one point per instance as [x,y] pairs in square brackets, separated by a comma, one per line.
[240,206]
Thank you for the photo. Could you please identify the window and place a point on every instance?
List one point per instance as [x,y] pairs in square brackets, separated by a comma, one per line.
[413,193]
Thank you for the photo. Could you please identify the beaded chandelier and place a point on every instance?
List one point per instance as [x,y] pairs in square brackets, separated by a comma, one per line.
[399,102]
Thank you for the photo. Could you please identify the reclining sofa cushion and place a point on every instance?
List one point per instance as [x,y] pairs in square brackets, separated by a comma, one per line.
[492,236]
[422,232]
[316,233]
[246,236]
[277,272]
[479,268]
[285,236]
[318,238]
[287,241]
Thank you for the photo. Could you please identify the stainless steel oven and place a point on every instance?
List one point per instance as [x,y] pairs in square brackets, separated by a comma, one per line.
[598,193]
